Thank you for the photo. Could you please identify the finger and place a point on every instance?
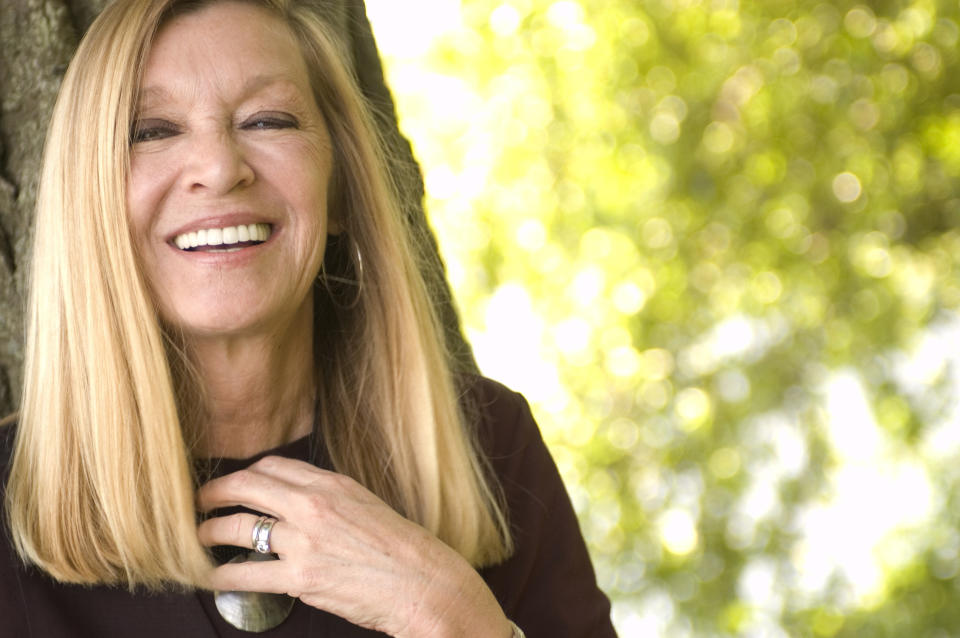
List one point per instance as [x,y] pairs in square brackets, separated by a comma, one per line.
[292,471]
[251,489]
[237,530]
[272,576]
[301,474]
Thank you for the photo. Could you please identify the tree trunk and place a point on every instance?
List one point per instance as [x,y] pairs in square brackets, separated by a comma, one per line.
[38,39]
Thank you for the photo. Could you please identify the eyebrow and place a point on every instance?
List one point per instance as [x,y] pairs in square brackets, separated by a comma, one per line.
[255,84]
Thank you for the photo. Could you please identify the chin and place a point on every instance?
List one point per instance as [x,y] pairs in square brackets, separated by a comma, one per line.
[207,322]
[237,319]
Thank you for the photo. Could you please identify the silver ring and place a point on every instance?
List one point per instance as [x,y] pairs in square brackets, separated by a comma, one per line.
[260,536]
[256,530]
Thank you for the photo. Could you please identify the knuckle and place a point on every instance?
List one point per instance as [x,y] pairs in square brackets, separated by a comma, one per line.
[307,579]
[237,527]
[344,482]
[318,504]
[239,480]
[304,544]
[340,485]
[267,463]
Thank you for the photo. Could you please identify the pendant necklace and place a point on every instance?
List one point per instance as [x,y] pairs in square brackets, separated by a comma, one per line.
[253,611]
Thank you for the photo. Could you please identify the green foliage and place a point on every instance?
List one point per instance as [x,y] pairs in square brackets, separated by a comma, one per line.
[725,234]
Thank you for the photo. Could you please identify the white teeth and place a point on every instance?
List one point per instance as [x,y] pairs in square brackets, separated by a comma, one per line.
[223,236]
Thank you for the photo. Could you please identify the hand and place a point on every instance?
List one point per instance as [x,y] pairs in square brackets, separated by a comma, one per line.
[345,551]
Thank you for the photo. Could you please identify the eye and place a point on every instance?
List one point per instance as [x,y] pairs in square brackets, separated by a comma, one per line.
[270,121]
[151,130]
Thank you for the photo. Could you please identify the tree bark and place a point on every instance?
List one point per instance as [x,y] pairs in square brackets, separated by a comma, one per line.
[38,39]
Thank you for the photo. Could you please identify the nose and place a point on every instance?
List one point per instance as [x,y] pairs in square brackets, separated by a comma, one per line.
[217,164]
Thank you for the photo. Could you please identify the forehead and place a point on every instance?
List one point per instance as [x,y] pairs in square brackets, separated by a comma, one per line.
[224,47]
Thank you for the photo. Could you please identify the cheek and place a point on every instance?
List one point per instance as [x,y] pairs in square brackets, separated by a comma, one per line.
[304,167]
[151,184]
[144,193]
[306,185]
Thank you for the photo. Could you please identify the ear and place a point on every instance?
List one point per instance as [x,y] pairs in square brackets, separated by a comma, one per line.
[333,223]
[334,202]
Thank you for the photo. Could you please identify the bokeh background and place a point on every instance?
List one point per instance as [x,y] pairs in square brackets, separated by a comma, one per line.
[716,244]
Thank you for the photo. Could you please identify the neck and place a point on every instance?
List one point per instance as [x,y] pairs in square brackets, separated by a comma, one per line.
[258,389]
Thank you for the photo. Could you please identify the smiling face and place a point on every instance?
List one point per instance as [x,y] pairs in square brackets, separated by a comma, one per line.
[230,162]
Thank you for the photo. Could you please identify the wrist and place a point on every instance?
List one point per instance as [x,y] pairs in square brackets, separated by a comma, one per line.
[456,602]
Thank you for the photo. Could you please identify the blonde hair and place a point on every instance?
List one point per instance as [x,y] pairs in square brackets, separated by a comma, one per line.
[101,485]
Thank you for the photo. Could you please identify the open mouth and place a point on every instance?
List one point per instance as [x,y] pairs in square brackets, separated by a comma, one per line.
[225,240]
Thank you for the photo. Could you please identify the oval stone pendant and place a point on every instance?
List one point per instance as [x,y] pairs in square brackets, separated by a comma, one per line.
[252,610]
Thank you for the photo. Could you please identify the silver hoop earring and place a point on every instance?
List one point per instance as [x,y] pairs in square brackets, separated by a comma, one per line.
[334,284]
[358,262]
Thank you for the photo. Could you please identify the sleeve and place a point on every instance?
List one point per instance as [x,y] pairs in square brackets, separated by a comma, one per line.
[548,587]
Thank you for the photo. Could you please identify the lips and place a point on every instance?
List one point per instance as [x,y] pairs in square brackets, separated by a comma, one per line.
[224,238]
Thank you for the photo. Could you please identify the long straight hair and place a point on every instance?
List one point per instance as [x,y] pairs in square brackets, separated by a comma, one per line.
[101,486]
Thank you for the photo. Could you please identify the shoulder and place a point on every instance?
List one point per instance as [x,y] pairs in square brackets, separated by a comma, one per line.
[514,449]
[548,585]
[503,422]
[491,396]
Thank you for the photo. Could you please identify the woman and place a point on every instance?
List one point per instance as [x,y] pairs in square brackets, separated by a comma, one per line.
[224,296]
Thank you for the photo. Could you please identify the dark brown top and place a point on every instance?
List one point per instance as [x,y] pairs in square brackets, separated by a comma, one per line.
[548,587]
